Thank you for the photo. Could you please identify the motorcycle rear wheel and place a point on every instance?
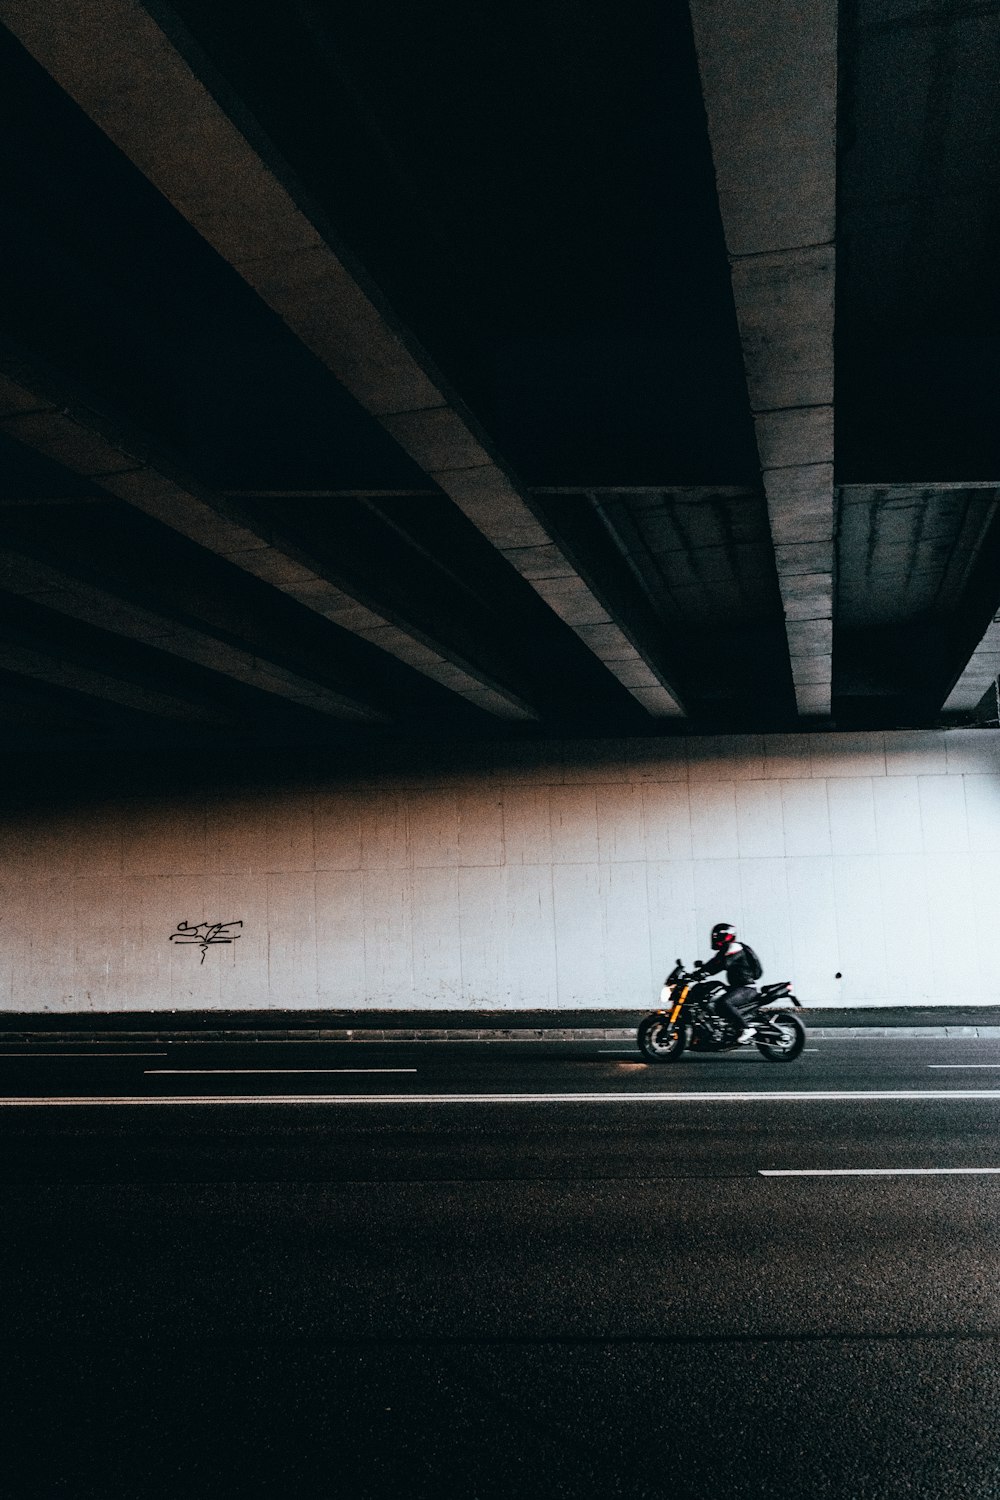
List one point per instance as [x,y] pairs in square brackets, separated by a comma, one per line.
[793,1038]
[659,1042]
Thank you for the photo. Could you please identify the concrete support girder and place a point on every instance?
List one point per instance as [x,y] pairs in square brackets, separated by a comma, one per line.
[769,79]
[28,578]
[981,672]
[73,676]
[72,435]
[116,62]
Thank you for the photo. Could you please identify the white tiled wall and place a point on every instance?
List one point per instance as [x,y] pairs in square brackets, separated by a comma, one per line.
[525,876]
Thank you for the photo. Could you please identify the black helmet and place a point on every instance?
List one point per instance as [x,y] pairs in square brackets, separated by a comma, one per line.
[722,933]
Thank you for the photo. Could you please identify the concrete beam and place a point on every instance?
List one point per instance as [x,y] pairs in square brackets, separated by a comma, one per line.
[73,433]
[74,676]
[769,79]
[114,60]
[981,672]
[54,589]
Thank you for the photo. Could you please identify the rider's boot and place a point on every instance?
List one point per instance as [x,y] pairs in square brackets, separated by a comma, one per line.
[746,1035]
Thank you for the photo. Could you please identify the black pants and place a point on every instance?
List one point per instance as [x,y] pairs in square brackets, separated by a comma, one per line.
[729,1002]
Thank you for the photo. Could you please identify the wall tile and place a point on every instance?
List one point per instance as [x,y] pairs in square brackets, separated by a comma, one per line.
[982,806]
[436,937]
[340,938]
[734,757]
[816,953]
[718,896]
[851,806]
[480,827]
[897,815]
[973,752]
[579,935]
[242,967]
[291,939]
[432,828]
[153,907]
[860,931]
[658,760]
[234,834]
[666,817]
[625,948]
[530,938]
[161,838]
[951,882]
[530,763]
[527,836]
[985,885]
[337,830]
[99,953]
[765,921]
[287,833]
[713,820]
[836,755]
[384,837]
[38,844]
[573,821]
[942,814]
[98,840]
[619,824]
[915,752]
[805,817]
[787,757]
[906,927]
[482,912]
[759,827]
[671,905]
[388,942]
[592,762]
[38,937]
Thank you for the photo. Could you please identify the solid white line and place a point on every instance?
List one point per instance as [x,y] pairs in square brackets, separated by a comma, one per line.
[883,1172]
[265,1072]
[83,1054]
[987,1066]
[772,1096]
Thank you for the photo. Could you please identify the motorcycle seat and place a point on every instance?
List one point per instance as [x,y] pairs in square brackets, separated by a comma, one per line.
[776,989]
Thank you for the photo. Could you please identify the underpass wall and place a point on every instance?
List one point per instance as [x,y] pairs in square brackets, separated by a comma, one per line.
[517,875]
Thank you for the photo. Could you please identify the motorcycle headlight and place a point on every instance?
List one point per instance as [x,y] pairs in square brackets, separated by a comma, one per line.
[665,994]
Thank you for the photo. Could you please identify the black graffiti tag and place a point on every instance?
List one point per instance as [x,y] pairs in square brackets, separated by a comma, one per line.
[205,934]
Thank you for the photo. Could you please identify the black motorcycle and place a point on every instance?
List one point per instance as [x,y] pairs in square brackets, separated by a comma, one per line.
[688,1018]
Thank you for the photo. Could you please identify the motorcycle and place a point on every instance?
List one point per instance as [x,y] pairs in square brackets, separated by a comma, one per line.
[688,1018]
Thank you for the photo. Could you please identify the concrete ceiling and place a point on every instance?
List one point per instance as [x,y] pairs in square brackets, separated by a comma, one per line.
[366,371]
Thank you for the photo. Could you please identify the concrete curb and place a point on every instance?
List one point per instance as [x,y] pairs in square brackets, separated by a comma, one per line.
[464,1034]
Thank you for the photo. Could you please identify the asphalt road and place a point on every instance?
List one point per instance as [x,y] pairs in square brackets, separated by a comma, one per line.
[500,1270]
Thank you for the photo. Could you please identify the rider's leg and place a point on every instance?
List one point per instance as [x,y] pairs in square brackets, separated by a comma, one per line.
[729,1004]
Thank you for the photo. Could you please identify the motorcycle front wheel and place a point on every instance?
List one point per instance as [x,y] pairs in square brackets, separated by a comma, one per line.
[660,1042]
[793,1038]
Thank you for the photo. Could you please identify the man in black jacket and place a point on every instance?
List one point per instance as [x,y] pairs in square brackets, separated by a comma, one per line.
[741,967]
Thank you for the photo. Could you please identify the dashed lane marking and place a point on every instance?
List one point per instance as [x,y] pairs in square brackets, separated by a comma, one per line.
[262,1072]
[73,1055]
[880,1172]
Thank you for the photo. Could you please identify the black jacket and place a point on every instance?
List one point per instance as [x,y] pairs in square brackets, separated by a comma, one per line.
[736,964]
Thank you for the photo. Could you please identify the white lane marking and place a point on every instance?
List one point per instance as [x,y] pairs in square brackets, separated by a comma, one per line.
[882,1172]
[771,1096]
[986,1066]
[83,1054]
[266,1072]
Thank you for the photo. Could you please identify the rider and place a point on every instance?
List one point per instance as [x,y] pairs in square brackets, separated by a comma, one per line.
[741,970]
